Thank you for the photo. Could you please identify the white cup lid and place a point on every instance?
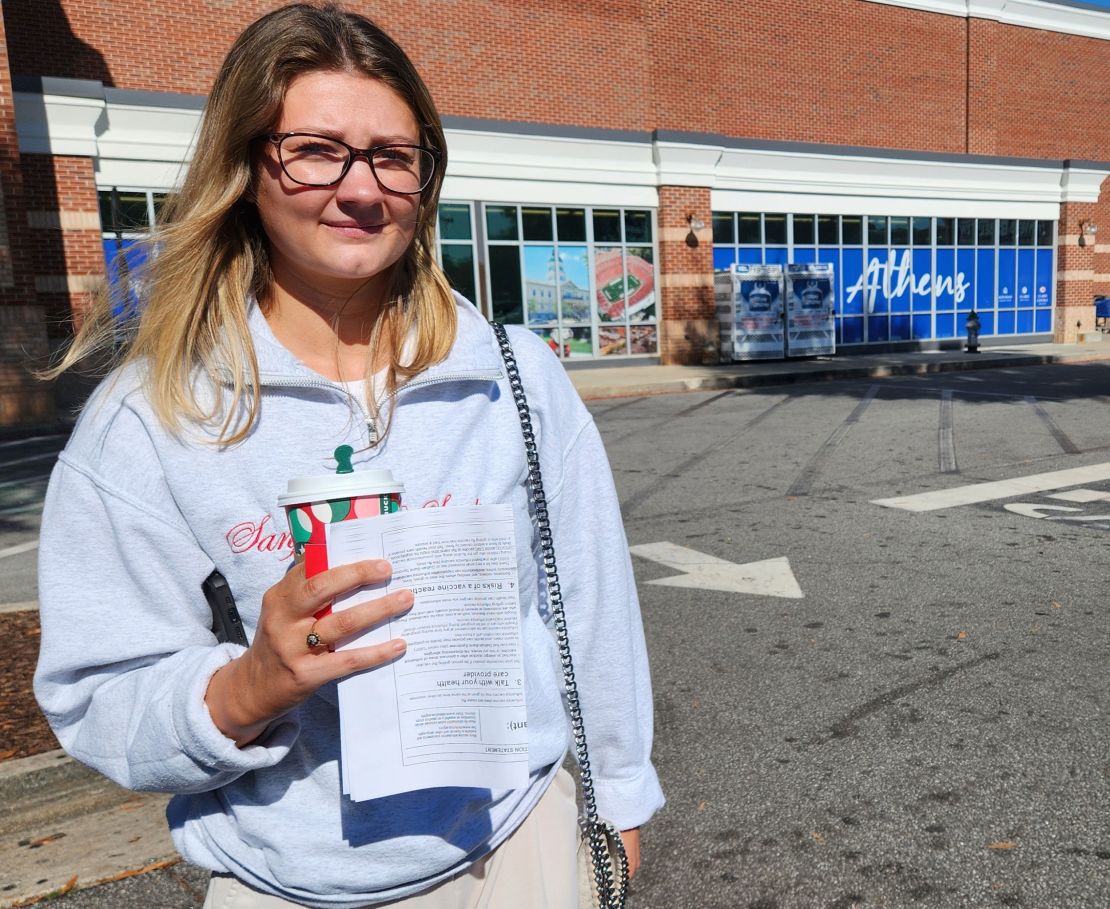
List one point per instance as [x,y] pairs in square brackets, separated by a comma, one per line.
[321,487]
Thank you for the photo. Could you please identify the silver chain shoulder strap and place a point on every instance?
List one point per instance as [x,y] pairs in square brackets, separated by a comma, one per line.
[610,887]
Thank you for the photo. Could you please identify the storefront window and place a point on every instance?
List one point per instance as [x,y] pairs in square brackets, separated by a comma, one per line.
[922,231]
[537,223]
[852,230]
[876,231]
[582,279]
[126,217]
[454,221]
[125,211]
[750,228]
[804,230]
[456,248]
[570,224]
[945,231]
[501,222]
[774,230]
[915,277]
[607,226]
[899,231]
[724,227]
[504,277]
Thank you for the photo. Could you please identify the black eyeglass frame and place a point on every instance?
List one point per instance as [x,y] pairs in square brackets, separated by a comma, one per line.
[276,139]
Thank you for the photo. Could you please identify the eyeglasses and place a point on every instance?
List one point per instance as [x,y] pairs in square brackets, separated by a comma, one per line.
[312,160]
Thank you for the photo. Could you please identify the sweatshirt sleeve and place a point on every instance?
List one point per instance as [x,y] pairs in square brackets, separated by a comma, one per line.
[126,650]
[605,630]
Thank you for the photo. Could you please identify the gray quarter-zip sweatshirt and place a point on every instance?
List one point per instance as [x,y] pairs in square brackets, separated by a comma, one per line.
[135,520]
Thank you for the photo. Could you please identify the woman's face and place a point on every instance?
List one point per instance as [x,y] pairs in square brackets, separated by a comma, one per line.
[338,240]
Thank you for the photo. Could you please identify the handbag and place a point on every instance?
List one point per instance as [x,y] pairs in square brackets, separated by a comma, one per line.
[602,863]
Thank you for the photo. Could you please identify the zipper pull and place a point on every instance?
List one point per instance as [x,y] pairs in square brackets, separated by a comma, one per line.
[372,430]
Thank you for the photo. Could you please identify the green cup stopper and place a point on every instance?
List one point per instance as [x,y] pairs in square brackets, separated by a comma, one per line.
[343,459]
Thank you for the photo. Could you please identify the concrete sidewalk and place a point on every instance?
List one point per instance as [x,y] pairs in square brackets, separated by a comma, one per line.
[606,381]
[63,826]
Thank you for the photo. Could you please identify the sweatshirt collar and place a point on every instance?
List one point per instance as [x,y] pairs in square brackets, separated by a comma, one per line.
[473,355]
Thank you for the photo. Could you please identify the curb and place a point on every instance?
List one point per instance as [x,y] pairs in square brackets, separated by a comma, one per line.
[65,827]
[799,374]
[24,776]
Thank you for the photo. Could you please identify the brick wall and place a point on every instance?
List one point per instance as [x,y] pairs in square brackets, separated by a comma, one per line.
[23,340]
[832,71]
[1075,260]
[689,333]
[837,71]
[1100,284]
[66,255]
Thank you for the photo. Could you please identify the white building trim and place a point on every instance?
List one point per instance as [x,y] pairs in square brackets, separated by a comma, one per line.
[1077,19]
[138,146]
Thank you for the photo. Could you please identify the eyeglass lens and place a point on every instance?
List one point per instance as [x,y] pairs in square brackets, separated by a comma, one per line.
[317,161]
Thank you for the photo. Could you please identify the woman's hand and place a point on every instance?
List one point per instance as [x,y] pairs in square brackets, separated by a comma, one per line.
[631,839]
[280,670]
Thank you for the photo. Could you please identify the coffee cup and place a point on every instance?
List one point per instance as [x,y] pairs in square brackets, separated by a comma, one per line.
[313,502]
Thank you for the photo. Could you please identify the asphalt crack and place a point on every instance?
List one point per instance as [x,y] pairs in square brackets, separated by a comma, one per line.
[848,725]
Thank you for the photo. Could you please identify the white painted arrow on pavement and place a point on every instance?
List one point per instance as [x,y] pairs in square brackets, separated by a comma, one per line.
[770,577]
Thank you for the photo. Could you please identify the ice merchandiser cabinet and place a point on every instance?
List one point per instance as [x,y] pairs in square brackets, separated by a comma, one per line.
[750,312]
[810,304]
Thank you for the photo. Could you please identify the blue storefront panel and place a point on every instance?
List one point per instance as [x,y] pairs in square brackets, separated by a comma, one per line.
[920,283]
[965,278]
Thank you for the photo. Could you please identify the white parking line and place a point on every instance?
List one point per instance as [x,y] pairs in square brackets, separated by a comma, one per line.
[1082,496]
[997,489]
[19,548]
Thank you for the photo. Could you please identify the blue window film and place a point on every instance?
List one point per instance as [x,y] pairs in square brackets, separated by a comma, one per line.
[1044,320]
[877,328]
[1042,295]
[1025,321]
[984,280]
[900,269]
[876,300]
[922,326]
[851,330]
[946,263]
[1007,292]
[776,255]
[805,254]
[986,323]
[749,256]
[1006,322]
[1026,275]
[723,257]
[832,257]
[129,254]
[965,276]
[946,325]
[849,278]
[922,282]
[900,328]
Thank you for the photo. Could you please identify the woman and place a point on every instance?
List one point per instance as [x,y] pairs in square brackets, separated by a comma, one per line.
[293,304]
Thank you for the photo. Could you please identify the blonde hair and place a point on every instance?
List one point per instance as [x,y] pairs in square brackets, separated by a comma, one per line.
[209,256]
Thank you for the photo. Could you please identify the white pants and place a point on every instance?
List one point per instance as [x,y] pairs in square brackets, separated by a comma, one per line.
[535,868]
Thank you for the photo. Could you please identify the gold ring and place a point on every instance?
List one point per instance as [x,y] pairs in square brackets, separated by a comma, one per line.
[313,639]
